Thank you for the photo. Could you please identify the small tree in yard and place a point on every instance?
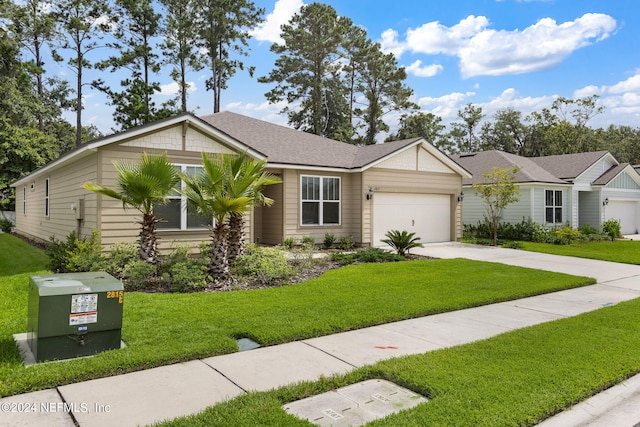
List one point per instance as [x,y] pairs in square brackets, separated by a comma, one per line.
[402,241]
[144,185]
[498,189]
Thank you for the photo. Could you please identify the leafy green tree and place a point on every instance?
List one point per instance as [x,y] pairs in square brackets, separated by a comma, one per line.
[81,26]
[419,125]
[211,195]
[143,185]
[179,46]
[138,25]
[498,189]
[33,26]
[247,177]
[307,70]
[223,29]
[505,133]
[381,82]
[23,147]
[463,133]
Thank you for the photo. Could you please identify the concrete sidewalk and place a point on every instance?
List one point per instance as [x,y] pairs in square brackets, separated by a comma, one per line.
[171,391]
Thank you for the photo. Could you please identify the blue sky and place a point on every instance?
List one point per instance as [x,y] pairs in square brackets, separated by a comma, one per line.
[492,53]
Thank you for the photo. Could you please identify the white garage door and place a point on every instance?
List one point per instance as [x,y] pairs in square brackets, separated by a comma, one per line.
[427,215]
[625,212]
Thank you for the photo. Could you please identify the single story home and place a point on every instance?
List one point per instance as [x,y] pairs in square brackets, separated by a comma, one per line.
[575,189]
[327,186]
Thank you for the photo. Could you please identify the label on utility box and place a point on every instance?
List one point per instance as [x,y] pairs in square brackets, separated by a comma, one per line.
[84,303]
[83,318]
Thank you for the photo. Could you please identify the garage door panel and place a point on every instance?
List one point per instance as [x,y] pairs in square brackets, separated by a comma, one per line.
[428,215]
[625,212]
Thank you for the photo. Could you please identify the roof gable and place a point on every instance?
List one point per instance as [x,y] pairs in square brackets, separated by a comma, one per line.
[620,176]
[485,161]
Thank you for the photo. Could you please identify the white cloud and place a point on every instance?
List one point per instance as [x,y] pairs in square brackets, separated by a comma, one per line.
[418,70]
[174,88]
[389,43]
[632,84]
[587,91]
[485,51]
[269,30]
[445,106]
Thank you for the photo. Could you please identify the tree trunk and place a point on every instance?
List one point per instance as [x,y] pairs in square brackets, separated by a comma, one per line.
[219,263]
[148,239]
[236,237]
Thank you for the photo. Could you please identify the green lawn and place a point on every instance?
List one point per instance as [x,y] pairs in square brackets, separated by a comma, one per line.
[165,328]
[515,379]
[625,251]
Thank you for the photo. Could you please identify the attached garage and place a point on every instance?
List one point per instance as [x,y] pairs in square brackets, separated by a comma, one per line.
[427,215]
[624,211]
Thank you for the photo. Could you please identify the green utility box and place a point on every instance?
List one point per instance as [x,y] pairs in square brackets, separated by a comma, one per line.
[74,314]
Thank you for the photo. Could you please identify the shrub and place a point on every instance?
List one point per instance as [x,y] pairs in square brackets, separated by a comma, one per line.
[566,235]
[289,243]
[329,240]
[587,230]
[267,265]
[402,241]
[611,228]
[186,275]
[346,243]
[5,225]
[140,275]
[75,255]
[308,240]
[119,256]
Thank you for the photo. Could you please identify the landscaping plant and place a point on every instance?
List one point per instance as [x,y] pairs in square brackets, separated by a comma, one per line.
[402,241]
[144,185]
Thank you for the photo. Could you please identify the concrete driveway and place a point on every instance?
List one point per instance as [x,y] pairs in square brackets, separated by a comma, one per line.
[602,271]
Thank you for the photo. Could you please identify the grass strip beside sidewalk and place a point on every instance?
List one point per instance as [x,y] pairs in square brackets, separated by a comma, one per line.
[517,378]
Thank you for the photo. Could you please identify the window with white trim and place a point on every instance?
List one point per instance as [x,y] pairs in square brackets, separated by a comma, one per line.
[177,213]
[553,206]
[47,199]
[320,200]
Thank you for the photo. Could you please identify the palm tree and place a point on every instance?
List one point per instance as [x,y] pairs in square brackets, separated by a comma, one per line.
[211,195]
[247,178]
[144,185]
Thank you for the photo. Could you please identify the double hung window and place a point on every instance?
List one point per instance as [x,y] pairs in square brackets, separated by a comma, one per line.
[320,199]
[553,206]
[177,213]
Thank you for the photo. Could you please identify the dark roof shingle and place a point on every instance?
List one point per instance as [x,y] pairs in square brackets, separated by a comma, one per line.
[485,161]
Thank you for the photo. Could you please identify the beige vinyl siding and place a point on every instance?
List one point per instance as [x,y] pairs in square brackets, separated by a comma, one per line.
[398,181]
[120,225]
[65,189]
[350,207]
[271,225]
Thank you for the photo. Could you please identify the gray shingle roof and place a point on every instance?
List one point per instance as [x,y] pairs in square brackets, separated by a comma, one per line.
[283,145]
[477,163]
[569,166]
[609,175]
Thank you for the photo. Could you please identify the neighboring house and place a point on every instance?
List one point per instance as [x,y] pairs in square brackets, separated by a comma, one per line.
[575,189]
[328,186]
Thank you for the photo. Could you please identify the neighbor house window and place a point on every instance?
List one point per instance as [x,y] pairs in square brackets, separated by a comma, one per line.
[320,198]
[553,206]
[24,200]
[178,214]
[46,197]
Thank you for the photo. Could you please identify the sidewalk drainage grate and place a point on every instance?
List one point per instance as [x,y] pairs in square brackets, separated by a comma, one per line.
[245,344]
[356,404]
